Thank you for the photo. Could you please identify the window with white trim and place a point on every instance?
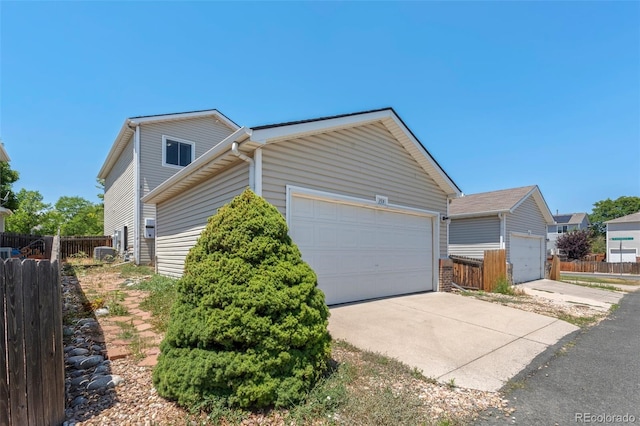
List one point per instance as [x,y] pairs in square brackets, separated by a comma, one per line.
[177,152]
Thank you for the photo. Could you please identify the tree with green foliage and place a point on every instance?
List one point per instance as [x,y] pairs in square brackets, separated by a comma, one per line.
[78,216]
[7,178]
[249,326]
[575,244]
[32,215]
[608,209]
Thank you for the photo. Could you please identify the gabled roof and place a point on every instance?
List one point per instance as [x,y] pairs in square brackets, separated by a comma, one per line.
[4,157]
[570,218]
[634,217]
[494,202]
[258,136]
[127,130]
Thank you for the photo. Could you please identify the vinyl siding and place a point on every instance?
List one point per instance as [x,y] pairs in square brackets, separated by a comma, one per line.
[119,195]
[180,220]
[361,162]
[470,237]
[527,217]
[204,132]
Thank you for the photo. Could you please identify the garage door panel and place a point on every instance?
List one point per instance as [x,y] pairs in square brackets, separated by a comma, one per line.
[526,256]
[382,253]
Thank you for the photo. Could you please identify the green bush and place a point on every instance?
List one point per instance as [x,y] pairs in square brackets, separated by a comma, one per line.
[249,325]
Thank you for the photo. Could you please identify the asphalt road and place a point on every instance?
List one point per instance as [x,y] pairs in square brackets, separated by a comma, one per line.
[595,380]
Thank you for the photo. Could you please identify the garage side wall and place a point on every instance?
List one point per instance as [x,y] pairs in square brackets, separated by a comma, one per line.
[472,236]
[181,219]
[623,230]
[360,162]
[527,217]
[119,196]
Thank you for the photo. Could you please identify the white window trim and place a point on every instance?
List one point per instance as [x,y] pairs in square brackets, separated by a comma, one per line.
[164,151]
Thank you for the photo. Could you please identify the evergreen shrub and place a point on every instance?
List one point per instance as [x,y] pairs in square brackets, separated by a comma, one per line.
[249,325]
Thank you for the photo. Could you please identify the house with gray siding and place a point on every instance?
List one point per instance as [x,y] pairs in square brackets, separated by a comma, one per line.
[565,223]
[363,198]
[513,219]
[623,239]
[147,151]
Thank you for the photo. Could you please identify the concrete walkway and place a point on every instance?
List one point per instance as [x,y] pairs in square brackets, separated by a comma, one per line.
[573,294]
[477,344]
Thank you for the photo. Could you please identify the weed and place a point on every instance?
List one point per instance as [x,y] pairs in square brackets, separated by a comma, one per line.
[128,330]
[503,287]
[129,269]
[162,294]
[452,383]
[579,321]
[614,307]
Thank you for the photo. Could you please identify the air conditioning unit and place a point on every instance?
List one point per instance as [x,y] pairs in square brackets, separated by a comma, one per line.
[100,253]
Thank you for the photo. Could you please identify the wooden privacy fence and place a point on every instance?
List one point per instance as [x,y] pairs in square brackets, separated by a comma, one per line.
[35,246]
[32,367]
[73,245]
[480,274]
[495,268]
[40,247]
[603,267]
[467,272]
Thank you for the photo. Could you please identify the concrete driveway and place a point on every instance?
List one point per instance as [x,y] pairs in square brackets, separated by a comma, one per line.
[573,294]
[478,344]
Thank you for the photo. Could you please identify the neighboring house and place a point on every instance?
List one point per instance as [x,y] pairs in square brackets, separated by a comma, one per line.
[565,223]
[4,212]
[147,151]
[363,199]
[512,219]
[623,239]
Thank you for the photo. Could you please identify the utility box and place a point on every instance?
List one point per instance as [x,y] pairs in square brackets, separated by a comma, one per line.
[149,228]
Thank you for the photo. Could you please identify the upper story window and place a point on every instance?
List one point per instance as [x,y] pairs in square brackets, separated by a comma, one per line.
[177,152]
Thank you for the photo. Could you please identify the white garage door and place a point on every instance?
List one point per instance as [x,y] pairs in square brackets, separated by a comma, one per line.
[628,255]
[362,252]
[526,256]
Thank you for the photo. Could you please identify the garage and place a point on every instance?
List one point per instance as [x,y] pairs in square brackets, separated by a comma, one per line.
[360,250]
[527,257]
[625,255]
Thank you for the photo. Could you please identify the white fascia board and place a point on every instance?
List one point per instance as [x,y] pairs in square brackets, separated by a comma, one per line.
[206,158]
[116,149]
[4,157]
[453,188]
[296,130]
[185,116]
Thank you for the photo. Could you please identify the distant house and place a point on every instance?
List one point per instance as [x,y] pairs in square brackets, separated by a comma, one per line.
[623,239]
[147,151]
[565,223]
[513,219]
[363,198]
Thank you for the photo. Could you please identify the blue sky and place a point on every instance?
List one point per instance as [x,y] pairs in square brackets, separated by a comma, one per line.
[502,94]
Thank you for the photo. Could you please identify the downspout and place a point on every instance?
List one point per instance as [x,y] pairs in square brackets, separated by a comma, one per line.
[136,193]
[257,158]
[503,230]
[252,165]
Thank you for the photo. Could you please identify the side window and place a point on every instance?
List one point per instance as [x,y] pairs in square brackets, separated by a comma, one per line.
[177,152]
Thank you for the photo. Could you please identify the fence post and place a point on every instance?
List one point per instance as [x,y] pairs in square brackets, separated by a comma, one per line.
[5,405]
[555,269]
